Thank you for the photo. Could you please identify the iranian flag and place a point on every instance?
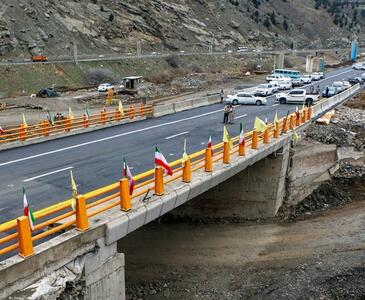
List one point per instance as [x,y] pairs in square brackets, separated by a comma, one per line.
[28,211]
[209,145]
[242,136]
[1,130]
[161,161]
[297,112]
[127,174]
[87,114]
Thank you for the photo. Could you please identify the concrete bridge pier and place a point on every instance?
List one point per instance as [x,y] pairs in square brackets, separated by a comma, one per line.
[256,192]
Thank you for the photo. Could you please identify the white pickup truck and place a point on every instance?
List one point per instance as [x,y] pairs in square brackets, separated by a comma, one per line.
[297,96]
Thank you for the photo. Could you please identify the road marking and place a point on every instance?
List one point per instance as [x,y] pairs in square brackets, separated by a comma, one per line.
[175,135]
[108,138]
[275,104]
[46,174]
[238,117]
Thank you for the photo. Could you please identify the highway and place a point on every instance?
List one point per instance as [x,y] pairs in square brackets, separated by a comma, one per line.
[95,157]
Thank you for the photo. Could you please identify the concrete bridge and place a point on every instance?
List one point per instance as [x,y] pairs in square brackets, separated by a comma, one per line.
[243,182]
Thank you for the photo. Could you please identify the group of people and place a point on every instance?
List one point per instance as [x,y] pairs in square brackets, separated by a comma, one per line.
[315,91]
[228,114]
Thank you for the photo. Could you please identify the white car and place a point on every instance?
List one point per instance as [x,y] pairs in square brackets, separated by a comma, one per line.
[316,76]
[102,88]
[264,90]
[359,66]
[363,76]
[346,84]
[245,98]
[273,77]
[306,79]
[285,83]
[276,86]
[339,86]
[297,96]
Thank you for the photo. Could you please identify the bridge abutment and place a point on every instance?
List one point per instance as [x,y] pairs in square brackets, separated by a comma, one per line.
[256,192]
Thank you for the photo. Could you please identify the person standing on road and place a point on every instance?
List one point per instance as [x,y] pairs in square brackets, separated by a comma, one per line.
[221,94]
[318,90]
[311,90]
[231,114]
[327,91]
[226,113]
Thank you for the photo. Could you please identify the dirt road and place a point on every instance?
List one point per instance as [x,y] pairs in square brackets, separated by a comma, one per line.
[321,257]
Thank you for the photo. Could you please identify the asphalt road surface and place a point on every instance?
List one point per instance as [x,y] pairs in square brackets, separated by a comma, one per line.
[95,157]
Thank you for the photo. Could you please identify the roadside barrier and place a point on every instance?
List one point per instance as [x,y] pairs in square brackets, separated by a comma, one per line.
[44,128]
[17,236]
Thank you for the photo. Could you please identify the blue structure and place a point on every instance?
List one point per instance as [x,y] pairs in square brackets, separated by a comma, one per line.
[354,47]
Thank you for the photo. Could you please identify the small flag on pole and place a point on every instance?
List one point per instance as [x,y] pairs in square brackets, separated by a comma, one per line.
[74,191]
[161,161]
[120,108]
[297,112]
[296,137]
[226,137]
[128,174]
[185,157]
[266,119]
[70,113]
[242,136]
[49,117]
[28,211]
[276,119]
[209,145]
[259,125]
[24,121]
[87,114]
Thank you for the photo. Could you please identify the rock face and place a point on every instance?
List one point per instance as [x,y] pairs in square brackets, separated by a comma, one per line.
[101,26]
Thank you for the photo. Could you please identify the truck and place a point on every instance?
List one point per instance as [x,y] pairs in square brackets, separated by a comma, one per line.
[297,96]
[39,58]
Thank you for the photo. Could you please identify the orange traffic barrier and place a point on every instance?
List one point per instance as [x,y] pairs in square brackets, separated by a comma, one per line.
[24,237]
[267,136]
[131,112]
[297,120]
[85,121]
[82,222]
[142,111]
[186,177]
[22,132]
[159,184]
[226,156]
[292,122]
[208,160]
[45,127]
[125,197]
[67,123]
[276,130]
[303,116]
[254,139]
[241,149]
[118,115]
[102,118]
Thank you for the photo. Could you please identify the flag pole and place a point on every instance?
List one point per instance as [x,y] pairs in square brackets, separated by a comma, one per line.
[285,120]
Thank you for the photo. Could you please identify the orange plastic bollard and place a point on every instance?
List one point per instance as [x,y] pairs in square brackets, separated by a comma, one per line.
[22,132]
[303,116]
[45,127]
[102,117]
[276,130]
[67,124]
[131,112]
[267,136]
[24,237]
[310,113]
[208,160]
[85,121]
[254,140]
[125,197]
[292,122]
[118,115]
[226,156]
[241,150]
[187,171]
[142,111]
[82,222]
[159,184]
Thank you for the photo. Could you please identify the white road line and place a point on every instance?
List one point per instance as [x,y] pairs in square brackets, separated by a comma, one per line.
[238,117]
[108,138]
[175,135]
[46,174]
[275,104]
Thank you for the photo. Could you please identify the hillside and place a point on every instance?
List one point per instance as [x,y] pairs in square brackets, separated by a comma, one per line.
[99,26]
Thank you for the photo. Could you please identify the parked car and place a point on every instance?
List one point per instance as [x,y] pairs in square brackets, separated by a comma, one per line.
[331,91]
[245,98]
[242,49]
[355,80]
[283,84]
[359,66]
[306,79]
[316,76]
[102,88]
[363,76]
[346,85]
[321,74]
[276,86]
[297,96]
[264,90]
[297,82]
[339,86]
[272,77]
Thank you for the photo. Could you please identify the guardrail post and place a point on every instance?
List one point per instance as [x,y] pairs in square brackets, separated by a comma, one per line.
[276,130]
[82,222]
[131,112]
[118,115]
[303,116]
[103,117]
[125,197]
[297,120]
[85,121]
[241,149]
[292,122]
[187,171]
[159,184]
[24,237]
[22,132]
[67,124]
[45,127]
[226,156]
[208,160]
[142,111]
[254,139]
[267,136]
